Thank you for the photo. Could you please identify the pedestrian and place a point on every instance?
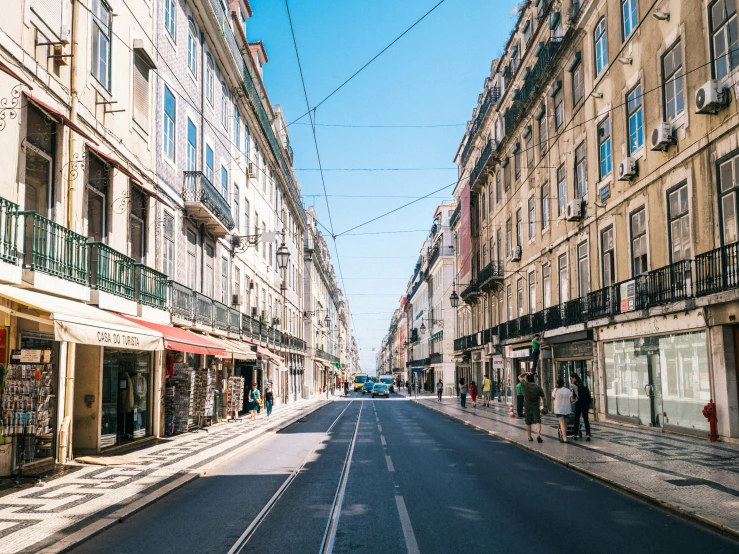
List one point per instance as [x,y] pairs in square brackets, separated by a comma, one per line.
[269,399]
[532,394]
[487,390]
[418,386]
[253,401]
[408,386]
[463,390]
[582,404]
[535,353]
[562,404]
[346,388]
[473,394]
[439,389]
[519,395]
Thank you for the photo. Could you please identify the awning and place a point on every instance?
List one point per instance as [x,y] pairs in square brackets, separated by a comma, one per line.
[51,112]
[182,340]
[269,354]
[233,349]
[115,162]
[82,323]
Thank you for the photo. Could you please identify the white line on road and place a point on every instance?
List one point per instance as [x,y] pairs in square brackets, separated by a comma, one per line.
[405,522]
[390,466]
[382,440]
[379,428]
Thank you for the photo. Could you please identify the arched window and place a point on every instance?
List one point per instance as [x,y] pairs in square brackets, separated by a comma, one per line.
[224,106]
[209,71]
[601,46]
[192,47]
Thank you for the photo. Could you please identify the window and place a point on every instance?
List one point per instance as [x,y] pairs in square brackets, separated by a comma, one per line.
[483,214]
[543,135]
[237,209]
[498,185]
[604,147]
[559,110]
[209,78]
[529,150]
[168,247]
[499,241]
[508,238]
[634,116]
[601,46]
[724,32]
[517,160]
[628,14]
[564,283]
[527,32]
[607,257]
[509,302]
[578,84]
[192,47]
[40,145]
[532,292]
[237,280]
[209,163]
[672,82]
[101,33]
[532,217]
[237,128]
[581,177]
[208,270]
[264,248]
[137,224]
[246,217]
[678,213]
[141,90]
[169,15]
[639,242]
[583,268]
[192,146]
[545,205]
[546,285]
[507,177]
[224,182]
[728,191]
[561,190]
[192,260]
[246,148]
[519,296]
[170,115]
[97,199]
[490,199]
[224,106]
[519,227]
[224,281]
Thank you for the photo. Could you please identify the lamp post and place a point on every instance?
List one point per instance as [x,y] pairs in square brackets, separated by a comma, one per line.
[283,259]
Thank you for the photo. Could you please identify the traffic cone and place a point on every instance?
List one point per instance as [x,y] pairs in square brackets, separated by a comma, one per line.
[511,413]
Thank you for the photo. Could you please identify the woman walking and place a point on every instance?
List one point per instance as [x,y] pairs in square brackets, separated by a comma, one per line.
[473,394]
[463,390]
[562,400]
[269,399]
[253,401]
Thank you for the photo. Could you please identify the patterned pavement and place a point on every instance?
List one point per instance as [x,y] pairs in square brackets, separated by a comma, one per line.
[34,518]
[689,475]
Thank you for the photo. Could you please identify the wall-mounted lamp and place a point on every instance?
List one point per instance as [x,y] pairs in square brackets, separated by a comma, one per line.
[625,61]
[661,16]
[596,94]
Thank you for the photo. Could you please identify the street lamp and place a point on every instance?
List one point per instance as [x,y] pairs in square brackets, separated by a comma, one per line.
[327,320]
[423,328]
[454,297]
[283,256]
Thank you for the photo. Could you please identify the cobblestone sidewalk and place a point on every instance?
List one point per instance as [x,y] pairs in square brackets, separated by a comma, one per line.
[34,518]
[691,476]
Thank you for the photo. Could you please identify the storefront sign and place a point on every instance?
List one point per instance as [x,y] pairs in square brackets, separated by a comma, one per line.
[477,356]
[518,353]
[30,357]
[112,338]
[498,363]
[571,350]
[628,293]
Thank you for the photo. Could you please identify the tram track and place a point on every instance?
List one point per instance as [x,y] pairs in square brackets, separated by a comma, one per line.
[329,534]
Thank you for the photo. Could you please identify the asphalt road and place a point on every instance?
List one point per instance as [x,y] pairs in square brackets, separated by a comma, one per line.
[418,482]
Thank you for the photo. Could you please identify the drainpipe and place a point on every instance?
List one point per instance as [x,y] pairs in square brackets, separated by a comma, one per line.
[65,434]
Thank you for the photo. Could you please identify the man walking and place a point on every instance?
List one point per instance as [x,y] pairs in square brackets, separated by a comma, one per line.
[487,390]
[582,404]
[439,389]
[519,395]
[532,394]
[535,348]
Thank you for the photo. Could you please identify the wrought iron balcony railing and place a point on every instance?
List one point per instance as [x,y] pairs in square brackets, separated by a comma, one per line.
[151,287]
[234,321]
[53,249]
[485,155]
[220,316]
[489,274]
[111,271]
[181,301]
[717,270]
[8,231]
[198,188]
[203,309]
[455,215]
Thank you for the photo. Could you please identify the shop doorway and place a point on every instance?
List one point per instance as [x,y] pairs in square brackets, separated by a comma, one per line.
[126,384]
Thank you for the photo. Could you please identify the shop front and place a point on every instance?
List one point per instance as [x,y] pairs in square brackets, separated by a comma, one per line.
[565,355]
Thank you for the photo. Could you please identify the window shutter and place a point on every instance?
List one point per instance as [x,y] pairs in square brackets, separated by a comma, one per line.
[141,91]
[50,13]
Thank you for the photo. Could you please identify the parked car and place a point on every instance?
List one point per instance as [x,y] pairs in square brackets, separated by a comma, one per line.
[368,386]
[381,389]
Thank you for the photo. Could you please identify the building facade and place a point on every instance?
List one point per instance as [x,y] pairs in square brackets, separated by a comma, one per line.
[597,209]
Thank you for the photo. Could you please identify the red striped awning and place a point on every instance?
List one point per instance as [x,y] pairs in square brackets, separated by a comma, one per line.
[182,340]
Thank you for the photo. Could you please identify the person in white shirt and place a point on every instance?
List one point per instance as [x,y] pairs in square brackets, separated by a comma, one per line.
[562,400]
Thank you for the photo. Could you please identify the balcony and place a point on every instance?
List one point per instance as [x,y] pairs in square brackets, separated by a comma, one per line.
[53,249]
[490,275]
[220,316]
[249,326]
[671,283]
[455,215]
[491,98]
[151,287]
[234,322]
[205,204]
[434,255]
[181,302]
[8,231]
[470,293]
[485,156]
[717,270]
[110,271]
[325,356]
[203,309]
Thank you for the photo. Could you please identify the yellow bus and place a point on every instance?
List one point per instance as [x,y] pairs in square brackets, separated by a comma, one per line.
[359,380]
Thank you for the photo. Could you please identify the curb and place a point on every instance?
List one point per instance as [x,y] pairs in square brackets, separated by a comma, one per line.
[137,504]
[676,508]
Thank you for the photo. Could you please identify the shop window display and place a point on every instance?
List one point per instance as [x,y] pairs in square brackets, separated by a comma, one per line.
[126,380]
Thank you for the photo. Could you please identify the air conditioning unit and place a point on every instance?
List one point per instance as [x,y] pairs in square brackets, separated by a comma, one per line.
[574,210]
[250,170]
[516,254]
[495,340]
[254,312]
[236,300]
[710,98]
[489,349]
[627,169]
[662,136]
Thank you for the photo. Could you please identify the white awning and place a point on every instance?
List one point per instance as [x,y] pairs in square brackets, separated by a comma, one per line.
[239,350]
[82,323]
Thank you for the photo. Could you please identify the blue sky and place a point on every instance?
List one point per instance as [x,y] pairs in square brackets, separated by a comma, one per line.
[432,76]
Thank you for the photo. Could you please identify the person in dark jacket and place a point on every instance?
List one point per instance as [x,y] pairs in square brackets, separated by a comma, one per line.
[582,404]
[463,390]
[269,399]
